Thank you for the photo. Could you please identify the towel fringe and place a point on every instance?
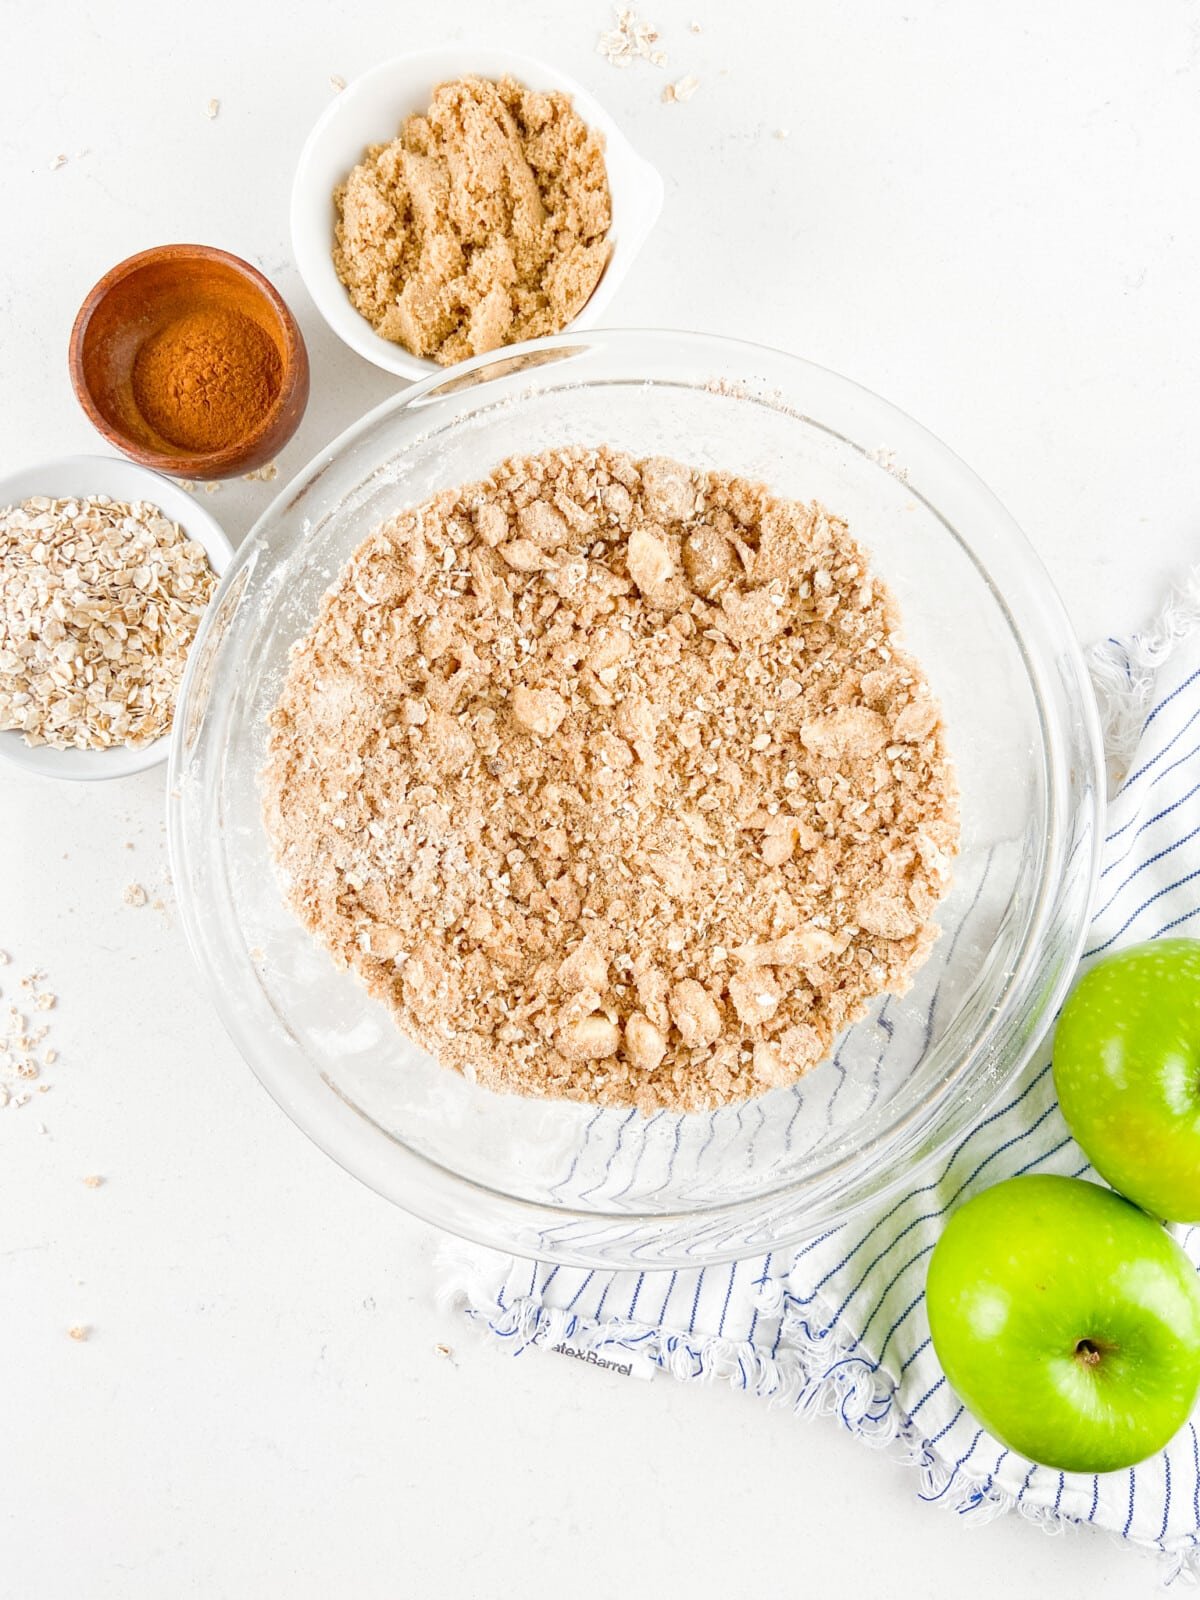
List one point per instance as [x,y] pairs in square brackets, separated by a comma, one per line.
[1123,671]
[822,1374]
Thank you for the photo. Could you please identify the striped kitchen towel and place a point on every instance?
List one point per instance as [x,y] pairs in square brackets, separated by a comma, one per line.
[838,1326]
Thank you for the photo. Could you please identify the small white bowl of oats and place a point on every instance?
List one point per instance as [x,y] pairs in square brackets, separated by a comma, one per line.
[416,241]
[105,571]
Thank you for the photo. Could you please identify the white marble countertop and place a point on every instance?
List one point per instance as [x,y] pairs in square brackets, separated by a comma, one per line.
[985,213]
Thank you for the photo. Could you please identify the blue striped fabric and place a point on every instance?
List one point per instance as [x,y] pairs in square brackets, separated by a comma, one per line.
[838,1325]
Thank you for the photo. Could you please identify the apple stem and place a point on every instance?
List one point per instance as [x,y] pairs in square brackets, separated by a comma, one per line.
[1088,1353]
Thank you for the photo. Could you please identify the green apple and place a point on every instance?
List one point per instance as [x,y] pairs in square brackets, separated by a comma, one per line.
[1068,1321]
[1127,1070]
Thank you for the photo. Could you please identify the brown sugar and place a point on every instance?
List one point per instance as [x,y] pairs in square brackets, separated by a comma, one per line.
[485,221]
[611,778]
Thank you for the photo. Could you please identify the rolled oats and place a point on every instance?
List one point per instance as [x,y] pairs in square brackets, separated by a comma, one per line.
[99,603]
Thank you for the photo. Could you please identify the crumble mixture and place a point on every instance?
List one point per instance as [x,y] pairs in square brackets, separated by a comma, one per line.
[610,777]
[482,223]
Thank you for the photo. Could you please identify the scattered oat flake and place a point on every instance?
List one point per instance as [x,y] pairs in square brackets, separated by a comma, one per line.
[681,91]
[781,133]
[42,1128]
[265,474]
[630,40]
[336,82]
[695,27]
[186,485]
[134,895]
[212,488]
[93,1181]
[211,109]
[59,161]
[5,958]
[19,1041]
[80,1332]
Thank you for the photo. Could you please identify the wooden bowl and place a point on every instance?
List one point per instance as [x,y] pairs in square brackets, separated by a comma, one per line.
[139,297]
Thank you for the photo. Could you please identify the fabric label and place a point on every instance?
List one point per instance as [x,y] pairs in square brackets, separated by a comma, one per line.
[625,1363]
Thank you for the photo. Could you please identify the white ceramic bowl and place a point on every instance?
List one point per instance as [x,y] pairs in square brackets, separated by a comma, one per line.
[85,476]
[370,111]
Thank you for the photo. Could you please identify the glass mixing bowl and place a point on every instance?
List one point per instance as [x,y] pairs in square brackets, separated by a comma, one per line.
[570,1182]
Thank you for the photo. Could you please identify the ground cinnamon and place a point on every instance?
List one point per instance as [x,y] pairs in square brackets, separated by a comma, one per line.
[207,379]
